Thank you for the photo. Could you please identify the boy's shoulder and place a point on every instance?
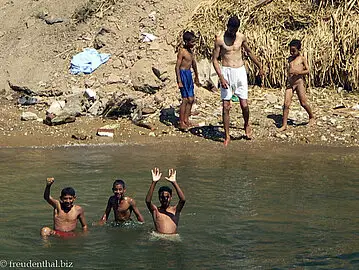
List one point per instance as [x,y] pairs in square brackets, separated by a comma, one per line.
[219,36]
[302,57]
[128,199]
[78,207]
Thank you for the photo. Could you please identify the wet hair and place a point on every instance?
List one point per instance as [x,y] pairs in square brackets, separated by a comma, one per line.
[188,36]
[68,191]
[119,182]
[296,43]
[163,189]
[233,22]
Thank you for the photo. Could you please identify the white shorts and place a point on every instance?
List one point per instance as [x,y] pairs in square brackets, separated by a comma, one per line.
[237,81]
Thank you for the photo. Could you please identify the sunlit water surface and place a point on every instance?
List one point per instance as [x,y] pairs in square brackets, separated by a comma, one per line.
[246,208]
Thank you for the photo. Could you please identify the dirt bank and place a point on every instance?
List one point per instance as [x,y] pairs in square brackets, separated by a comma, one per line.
[36,54]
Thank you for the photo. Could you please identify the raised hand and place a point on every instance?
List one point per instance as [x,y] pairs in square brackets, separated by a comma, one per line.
[156,175]
[50,181]
[171,175]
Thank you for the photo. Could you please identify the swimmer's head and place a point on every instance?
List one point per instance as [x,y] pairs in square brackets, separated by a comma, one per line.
[119,188]
[165,195]
[46,231]
[67,197]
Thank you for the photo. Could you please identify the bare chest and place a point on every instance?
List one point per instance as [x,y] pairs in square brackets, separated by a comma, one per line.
[68,217]
[298,62]
[229,46]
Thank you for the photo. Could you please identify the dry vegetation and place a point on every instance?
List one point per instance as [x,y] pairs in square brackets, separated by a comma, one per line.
[329,31]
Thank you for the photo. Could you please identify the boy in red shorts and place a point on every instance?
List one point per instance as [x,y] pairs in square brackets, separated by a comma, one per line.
[65,213]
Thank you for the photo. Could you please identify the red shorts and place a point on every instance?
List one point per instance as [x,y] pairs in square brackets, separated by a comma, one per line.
[64,234]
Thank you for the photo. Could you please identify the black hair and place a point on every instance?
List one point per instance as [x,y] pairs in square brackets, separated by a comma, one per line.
[119,182]
[68,191]
[296,43]
[233,22]
[188,36]
[165,188]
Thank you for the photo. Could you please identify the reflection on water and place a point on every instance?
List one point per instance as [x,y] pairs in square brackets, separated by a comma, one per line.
[246,208]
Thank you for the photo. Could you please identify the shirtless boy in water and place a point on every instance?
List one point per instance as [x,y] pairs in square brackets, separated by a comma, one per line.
[122,205]
[165,217]
[66,213]
[233,76]
[297,69]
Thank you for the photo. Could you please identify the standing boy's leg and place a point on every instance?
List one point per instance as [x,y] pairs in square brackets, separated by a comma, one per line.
[225,116]
[287,100]
[182,124]
[245,113]
[304,102]
[190,101]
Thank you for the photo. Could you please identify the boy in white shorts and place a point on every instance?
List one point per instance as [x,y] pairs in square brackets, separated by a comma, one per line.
[237,81]
[232,76]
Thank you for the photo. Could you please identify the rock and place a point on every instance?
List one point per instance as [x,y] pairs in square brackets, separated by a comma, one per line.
[271,98]
[3,92]
[207,74]
[340,128]
[144,125]
[27,116]
[123,105]
[280,135]
[95,109]
[117,64]
[160,75]
[159,99]
[64,118]
[114,79]
[90,94]
[323,138]
[148,110]
[105,132]
[56,107]
[80,136]
[143,79]
[89,83]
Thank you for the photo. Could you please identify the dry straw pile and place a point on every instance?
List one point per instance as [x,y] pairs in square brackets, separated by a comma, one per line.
[329,30]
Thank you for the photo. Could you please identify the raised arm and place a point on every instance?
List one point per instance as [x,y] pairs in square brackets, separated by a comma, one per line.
[182,199]
[215,62]
[177,68]
[156,176]
[54,203]
[136,211]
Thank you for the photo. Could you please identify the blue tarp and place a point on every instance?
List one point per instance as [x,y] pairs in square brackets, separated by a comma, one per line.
[87,61]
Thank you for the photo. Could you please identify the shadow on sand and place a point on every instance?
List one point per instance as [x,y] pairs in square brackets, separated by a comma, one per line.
[278,118]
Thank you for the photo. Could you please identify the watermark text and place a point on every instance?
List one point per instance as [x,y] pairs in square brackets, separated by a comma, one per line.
[36,264]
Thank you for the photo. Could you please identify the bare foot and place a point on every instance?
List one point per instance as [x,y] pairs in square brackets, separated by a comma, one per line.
[283,128]
[311,122]
[248,131]
[226,141]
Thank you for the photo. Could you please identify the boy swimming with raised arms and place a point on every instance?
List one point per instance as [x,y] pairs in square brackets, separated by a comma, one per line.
[165,217]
